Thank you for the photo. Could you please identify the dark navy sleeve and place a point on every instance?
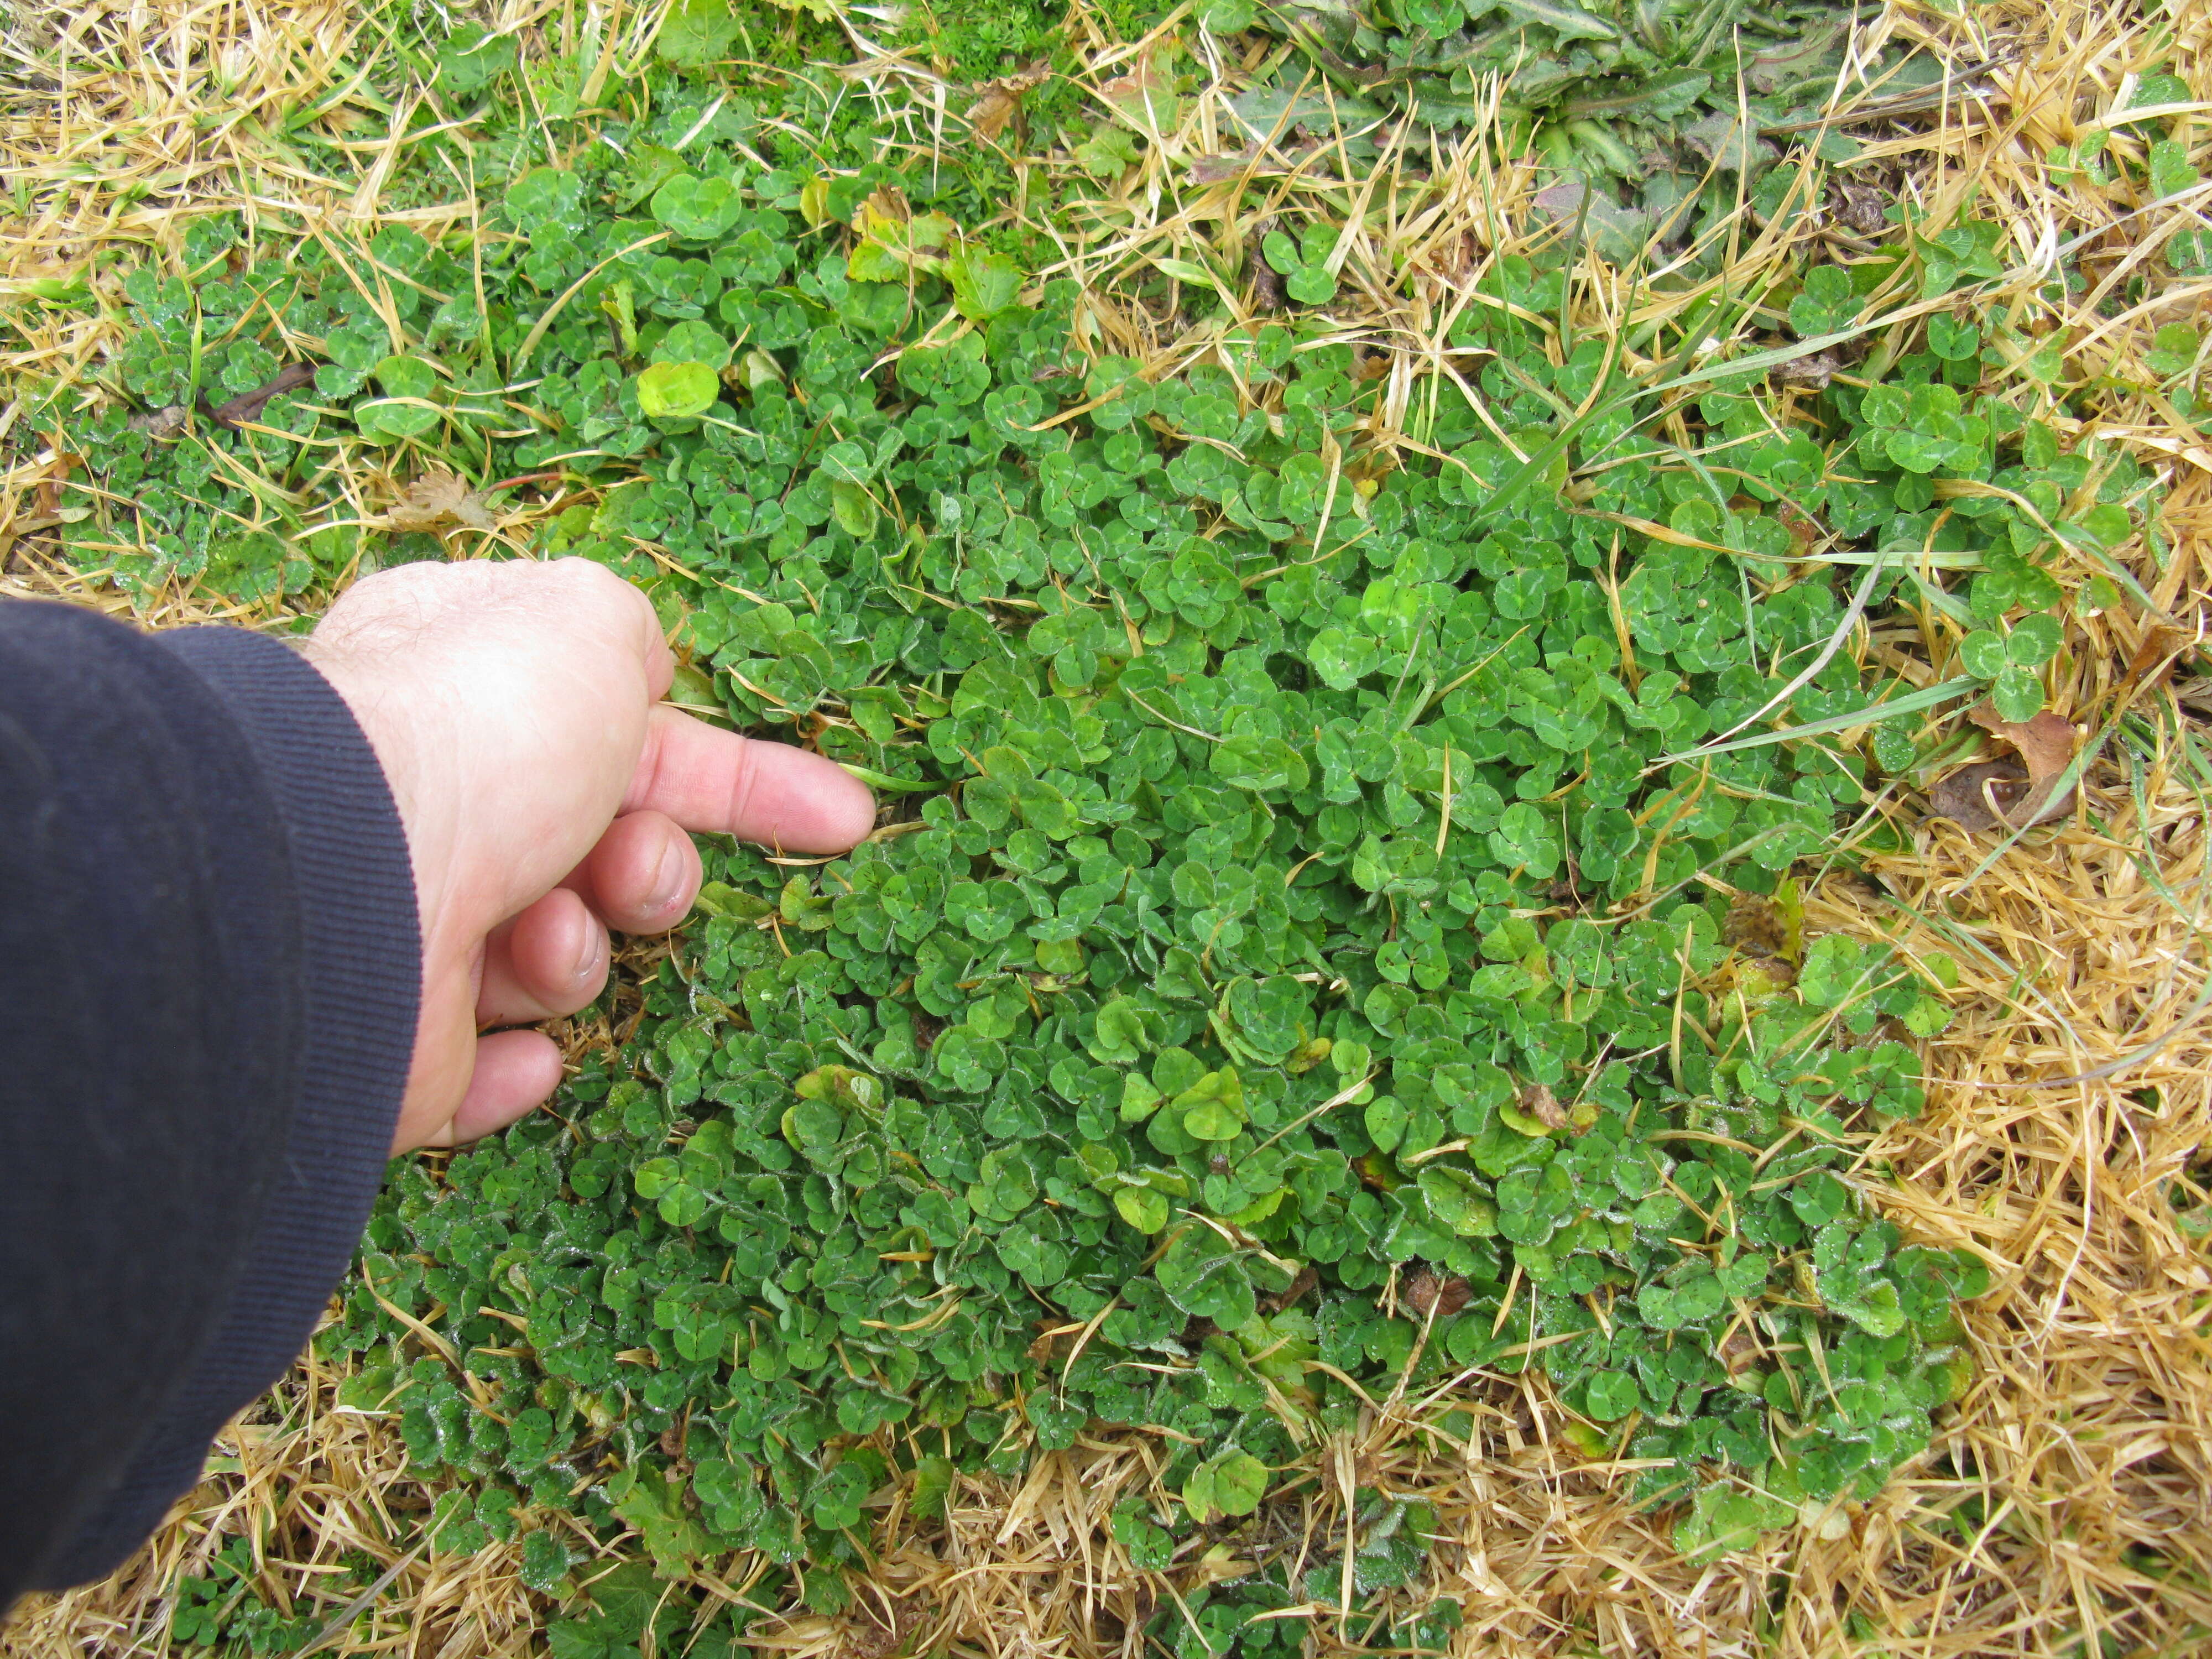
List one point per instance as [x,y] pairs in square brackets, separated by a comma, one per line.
[210,964]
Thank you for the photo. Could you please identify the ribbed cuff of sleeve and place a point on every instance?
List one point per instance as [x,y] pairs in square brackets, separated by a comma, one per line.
[361,947]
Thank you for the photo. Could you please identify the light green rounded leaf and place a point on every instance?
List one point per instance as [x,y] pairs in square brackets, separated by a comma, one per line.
[2017,692]
[1982,653]
[668,392]
[1260,763]
[1209,1120]
[1138,1098]
[1142,1208]
[848,462]
[406,377]
[983,284]
[697,210]
[696,33]
[2034,641]
[1457,1200]
[390,419]
[1342,659]
[853,508]
[1232,1484]
[1610,1396]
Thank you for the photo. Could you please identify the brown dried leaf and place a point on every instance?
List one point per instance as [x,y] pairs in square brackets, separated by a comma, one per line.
[1145,99]
[999,101]
[1755,925]
[1978,797]
[1739,1352]
[161,425]
[1858,206]
[2009,793]
[2047,744]
[1427,1290]
[48,494]
[436,499]
[1219,169]
[1541,1104]
[1813,372]
[1055,1341]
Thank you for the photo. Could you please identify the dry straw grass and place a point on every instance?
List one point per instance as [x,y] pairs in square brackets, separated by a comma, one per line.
[2066,1507]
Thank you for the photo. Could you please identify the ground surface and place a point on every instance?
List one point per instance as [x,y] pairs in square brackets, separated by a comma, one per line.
[2060,1505]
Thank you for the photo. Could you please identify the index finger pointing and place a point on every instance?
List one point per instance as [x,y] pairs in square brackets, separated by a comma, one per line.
[707,779]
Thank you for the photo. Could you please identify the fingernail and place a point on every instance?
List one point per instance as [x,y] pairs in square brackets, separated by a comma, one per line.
[588,962]
[668,880]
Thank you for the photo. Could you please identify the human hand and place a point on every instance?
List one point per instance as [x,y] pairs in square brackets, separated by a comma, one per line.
[545,791]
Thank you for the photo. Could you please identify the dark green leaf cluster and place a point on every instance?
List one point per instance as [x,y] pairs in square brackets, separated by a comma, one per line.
[1253,880]
[220,1608]
[1944,469]
[1286,957]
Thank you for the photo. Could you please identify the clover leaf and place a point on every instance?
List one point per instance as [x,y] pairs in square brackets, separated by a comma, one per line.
[1232,1484]
[1293,955]
[1610,1396]
[697,210]
[1826,304]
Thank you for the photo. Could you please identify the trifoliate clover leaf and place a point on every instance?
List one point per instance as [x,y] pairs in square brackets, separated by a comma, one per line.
[1952,338]
[1982,654]
[2033,641]
[1232,1484]
[1609,1397]
[2017,693]
[1525,840]
[1142,1208]
[1820,1199]
[1826,305]
[545,1560]
[1833,971]
[697,210]
[546,198]
[1722,1520]
[1206,1279]
[1872,1305]
[1458,1201]
[1007,1187]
